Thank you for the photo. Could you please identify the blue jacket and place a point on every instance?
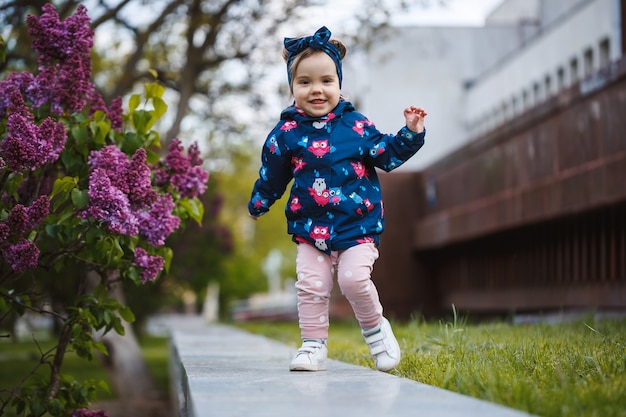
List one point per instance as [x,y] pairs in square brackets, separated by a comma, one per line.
[335,201]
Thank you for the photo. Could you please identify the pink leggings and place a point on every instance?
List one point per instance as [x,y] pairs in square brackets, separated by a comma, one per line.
[316,271]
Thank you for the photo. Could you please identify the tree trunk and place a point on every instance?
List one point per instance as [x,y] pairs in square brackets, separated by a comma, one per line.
[128,372]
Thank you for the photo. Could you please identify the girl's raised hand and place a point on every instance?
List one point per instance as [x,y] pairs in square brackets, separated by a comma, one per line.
[415,118]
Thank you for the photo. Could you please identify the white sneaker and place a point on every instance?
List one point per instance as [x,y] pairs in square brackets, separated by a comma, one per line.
[383,346]
[310,357]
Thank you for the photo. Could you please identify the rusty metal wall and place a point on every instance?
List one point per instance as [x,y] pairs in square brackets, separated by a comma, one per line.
[574,262]
[531,216]
[565,156]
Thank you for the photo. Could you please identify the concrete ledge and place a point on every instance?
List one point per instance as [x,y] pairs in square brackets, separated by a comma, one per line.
[219,370]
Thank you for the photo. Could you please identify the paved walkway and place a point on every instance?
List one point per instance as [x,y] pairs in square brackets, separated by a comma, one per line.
[226,372]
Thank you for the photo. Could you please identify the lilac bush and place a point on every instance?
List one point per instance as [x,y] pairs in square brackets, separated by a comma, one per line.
[82,183]
[83,412]
[64,80]
[182,172]
[27,146]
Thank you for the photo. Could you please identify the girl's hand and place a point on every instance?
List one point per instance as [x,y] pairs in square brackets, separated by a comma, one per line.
[415,118]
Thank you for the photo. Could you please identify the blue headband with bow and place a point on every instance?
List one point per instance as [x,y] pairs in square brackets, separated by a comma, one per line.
[320,41]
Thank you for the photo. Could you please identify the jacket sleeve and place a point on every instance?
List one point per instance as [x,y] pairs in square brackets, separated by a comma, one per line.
[274,175]
[388,152]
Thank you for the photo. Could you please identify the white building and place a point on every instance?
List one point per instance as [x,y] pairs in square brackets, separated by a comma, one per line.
[471,79]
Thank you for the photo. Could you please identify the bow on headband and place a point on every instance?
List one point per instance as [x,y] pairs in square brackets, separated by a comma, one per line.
[320,41]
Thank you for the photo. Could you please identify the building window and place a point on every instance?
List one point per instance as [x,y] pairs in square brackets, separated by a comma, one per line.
[560,78]
[536,93]
[588,61]
[547,86]
[605,52]
[573,70]
[525,100]
[514,107]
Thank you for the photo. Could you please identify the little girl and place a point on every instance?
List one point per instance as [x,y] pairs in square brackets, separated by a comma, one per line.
[335,208]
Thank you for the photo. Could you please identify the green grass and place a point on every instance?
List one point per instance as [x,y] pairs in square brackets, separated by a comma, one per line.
[551,370]
[17,359]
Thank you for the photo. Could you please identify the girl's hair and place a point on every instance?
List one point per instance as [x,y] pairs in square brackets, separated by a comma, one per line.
[310,51]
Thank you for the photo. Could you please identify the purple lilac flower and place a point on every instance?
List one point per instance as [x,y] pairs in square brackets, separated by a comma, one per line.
[27,146]
[113,163]
[83,412]
[65,62]
[18,220]
[11,98]
[156,224]
[121,195]
[52,136]
[109,159]
[183,172]
[58,40]
[138,180]
[22,255]
[151,265]
[5,231]
[38,211]
[24,219]
[19,145]
[115,114]
[109,204]
[133,177]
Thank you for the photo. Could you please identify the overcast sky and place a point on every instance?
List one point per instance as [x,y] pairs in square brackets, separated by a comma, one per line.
[457,13]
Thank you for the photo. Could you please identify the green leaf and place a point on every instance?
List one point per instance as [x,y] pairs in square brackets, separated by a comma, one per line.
[153,139]
[74,161]
[160,107]
[55,407]
[141,119]
[134,102]
[80,133]
[51,230]
[100,292]
[80,198]
[101,347]
[152,157]
[99,131]
[127,314]
[194,208]
[37,407]
[63,185]
[3,50]
[13,183]
[92,236]
[154,90]
[131,142]
[133,274]
[118,326]
[167,254]
[118,251]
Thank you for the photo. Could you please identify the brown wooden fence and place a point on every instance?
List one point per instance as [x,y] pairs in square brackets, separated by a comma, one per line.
[531,216]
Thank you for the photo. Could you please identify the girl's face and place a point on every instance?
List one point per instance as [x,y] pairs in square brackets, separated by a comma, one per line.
[316,85]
